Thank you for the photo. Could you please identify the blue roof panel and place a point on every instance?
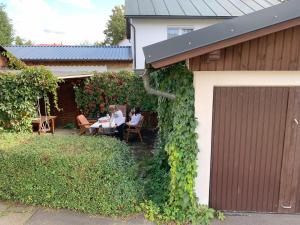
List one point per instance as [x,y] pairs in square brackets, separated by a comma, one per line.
[92,53]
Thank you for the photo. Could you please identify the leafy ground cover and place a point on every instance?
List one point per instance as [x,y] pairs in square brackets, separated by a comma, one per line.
[94,175]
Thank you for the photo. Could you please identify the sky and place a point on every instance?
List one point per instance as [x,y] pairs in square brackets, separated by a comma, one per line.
[69,22]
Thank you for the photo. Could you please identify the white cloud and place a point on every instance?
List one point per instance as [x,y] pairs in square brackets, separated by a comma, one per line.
[37,21]
[87,4]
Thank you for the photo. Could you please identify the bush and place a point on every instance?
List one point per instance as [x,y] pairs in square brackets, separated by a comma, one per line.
[94,175]
[113,88]
[19,93]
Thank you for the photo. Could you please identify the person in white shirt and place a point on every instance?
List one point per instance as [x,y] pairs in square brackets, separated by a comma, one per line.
[135,118]
[118,120]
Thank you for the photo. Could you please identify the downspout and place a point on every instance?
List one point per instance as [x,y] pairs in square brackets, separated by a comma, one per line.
[134,43]
[152,91]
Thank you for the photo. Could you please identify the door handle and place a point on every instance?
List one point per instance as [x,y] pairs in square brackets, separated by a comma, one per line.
[296,121]
[286,207]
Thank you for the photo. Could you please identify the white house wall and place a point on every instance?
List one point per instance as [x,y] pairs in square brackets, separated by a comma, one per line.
[204,83]
[150,31]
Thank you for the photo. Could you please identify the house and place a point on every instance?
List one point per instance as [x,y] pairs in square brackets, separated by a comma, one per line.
[150,21]
[73,64]
[247,103]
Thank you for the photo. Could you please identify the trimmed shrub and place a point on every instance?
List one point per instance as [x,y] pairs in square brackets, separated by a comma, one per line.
[94,175]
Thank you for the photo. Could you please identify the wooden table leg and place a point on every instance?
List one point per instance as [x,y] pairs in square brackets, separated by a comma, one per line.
[52,125]
[40,127]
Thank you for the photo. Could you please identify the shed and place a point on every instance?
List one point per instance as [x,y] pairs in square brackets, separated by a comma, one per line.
[73,64]
[247,102]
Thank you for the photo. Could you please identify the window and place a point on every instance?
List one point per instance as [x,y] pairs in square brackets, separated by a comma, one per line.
[176,31]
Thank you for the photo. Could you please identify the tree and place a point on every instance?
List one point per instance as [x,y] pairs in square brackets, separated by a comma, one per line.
[29,42]
[85,43]
[21,41]
[115,27]
[6,28]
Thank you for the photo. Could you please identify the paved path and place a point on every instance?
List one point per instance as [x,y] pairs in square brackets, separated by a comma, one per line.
[12,214]
[260,219]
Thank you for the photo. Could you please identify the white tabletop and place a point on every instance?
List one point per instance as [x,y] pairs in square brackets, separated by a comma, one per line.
[103,124]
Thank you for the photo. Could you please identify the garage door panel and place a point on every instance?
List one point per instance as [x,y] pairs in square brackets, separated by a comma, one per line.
[298,196]
[275,153]
[248,135]
[248,159]
[291,156]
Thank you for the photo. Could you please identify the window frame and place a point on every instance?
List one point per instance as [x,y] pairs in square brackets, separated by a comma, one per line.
[180,30]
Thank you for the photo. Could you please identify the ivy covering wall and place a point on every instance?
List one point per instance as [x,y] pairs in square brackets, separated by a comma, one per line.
[178,139]
[19,93]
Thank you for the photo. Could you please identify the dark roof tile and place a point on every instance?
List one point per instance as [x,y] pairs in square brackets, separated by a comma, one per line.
[194,8]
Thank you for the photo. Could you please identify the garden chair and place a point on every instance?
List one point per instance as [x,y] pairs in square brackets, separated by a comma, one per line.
[135,129]
[123,109]
[83,124]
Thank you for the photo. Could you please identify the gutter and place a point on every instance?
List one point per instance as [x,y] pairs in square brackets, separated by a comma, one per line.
[152,91]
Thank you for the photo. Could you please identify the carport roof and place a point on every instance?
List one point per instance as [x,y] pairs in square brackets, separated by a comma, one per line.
[224,34]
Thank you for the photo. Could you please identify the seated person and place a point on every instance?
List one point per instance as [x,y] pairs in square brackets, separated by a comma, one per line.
[99,111]
[102,111]
[135,118]
[118,119]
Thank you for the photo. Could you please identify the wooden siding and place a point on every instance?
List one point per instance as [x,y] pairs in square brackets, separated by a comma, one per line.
[273,52]
[247,148]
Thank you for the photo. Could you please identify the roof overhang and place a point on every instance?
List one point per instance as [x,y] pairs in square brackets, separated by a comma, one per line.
[223,44]
[176,17]
[75,60]
[222,35]
[58,75]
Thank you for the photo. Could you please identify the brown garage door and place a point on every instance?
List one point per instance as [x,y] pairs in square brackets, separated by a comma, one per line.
[255,153]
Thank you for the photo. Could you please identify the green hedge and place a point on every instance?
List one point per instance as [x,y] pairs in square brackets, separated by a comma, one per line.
[94,175]
[114,88]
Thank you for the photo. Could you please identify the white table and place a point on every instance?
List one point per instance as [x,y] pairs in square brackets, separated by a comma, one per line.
[104,127]
[102,124]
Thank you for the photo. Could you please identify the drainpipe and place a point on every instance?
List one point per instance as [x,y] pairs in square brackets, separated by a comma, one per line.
[134,43]
[152,91]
